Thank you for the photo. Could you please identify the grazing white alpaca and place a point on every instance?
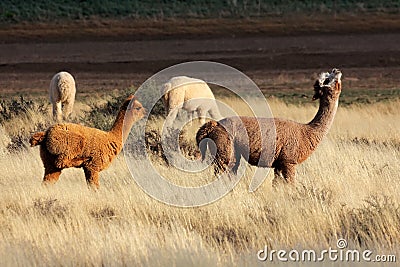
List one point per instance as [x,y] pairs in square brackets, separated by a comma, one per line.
[62,94]
[192,95]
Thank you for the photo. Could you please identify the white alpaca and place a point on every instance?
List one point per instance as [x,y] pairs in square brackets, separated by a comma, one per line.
[62,94]
[191,95]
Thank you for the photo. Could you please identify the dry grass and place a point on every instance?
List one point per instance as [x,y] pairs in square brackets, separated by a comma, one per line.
[347,189]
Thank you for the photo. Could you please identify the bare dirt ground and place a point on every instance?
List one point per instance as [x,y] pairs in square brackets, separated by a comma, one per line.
[280,55]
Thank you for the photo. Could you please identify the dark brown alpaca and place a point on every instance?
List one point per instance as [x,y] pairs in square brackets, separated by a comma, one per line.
[235,137]
[72,145]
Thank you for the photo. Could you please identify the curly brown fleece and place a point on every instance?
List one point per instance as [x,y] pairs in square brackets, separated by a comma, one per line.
[235,137]
[72,145]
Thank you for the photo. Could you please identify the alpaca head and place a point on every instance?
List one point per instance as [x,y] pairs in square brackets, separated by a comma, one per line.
[328,85]
[134,109]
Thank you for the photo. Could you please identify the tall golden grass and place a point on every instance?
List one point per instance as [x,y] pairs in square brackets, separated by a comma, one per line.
[349,188]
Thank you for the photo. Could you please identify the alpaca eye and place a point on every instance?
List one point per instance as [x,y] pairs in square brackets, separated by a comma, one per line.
[138,108]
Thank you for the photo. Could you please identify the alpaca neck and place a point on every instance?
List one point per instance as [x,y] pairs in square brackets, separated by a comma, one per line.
[119,127]
[324,117]
[118,123]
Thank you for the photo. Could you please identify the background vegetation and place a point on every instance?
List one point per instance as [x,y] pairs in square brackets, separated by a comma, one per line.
[45,10]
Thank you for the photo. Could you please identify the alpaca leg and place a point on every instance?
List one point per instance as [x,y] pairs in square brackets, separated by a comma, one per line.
[68,106]
[202,115]
[214,113]
[64,162]
[220,163]
[77,162]
[92,178]
[225,157]
[190,115]
[288,172]
[51,171]
[57,112]
[284,174]
[236,163]
[51,175]
[278,178]
[171,117]
[225,160]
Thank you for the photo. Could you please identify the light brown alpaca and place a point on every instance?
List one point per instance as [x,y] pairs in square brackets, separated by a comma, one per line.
[73,145]
[193,95]
[295,142]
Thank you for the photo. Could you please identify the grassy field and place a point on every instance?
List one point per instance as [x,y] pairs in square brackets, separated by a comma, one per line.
[347,189]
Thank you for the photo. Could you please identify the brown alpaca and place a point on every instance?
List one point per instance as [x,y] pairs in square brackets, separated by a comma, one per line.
[294,143]
[73,145]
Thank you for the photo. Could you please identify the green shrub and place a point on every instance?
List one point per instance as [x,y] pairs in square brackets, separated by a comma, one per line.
[103,116]
[12,108]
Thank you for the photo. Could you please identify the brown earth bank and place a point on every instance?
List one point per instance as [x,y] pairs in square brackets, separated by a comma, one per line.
[280,54]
